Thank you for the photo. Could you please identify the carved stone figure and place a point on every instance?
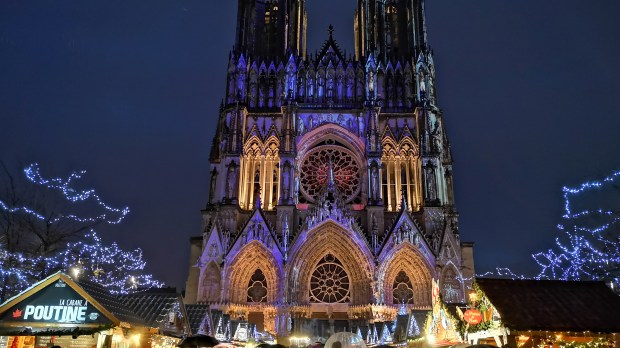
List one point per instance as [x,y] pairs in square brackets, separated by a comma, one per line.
[374,178]
[431,187]
[231,181]
[301,126]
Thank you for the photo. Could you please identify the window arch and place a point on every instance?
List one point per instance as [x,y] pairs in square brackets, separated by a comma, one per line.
[451,287]
[329,282]
[260,173]
[314,172]
[402,289]
[257,287]
[401,174]
[210,284]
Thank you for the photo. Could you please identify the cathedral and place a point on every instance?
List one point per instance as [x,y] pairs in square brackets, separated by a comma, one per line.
[331,203]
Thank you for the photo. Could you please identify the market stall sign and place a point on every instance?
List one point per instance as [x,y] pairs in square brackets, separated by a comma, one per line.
[84,341]
[57,303]
[473,316]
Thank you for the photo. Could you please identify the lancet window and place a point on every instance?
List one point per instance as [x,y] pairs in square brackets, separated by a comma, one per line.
[401,174]
[260,174]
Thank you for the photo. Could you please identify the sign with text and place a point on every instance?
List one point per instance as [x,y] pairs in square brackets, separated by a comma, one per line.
[473,316]
[56,303]
[84,341]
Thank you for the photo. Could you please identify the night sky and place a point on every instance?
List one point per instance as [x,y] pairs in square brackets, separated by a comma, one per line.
[130,91]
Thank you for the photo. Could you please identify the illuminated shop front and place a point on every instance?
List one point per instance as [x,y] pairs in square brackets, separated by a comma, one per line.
[59,311]
[541,313]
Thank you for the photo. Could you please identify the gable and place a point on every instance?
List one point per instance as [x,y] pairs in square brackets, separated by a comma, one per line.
[55,301]
[256,228]
[406,230]
[212,249]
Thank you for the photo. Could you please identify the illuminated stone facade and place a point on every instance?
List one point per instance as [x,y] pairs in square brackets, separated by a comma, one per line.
[331,176]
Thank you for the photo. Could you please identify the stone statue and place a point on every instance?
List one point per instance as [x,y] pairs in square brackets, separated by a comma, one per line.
[296,190]
[286,180]
[430,183]
[301,126]
[371,82]
[231,180]
[374,178]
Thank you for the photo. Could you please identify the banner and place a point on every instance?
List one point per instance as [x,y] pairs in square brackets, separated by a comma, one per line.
[57,303]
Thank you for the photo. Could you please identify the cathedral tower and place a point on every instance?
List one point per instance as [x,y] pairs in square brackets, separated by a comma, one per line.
[392,28]
[331,204]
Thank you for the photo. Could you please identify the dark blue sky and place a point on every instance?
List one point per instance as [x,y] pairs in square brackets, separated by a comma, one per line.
[129,91]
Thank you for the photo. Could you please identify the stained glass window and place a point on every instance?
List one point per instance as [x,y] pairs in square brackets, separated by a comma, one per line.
[257,287]
[329,282]
[314,172]
[402,291]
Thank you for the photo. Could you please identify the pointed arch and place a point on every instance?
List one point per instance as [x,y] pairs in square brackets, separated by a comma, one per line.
[402,289]
[259,163]
[329,238]
[451,284]
[401,170]
[257,287]
[408,259]
[252,257]
[210,283]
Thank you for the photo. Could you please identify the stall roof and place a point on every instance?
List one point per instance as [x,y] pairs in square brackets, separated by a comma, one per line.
[553,305]
[196,315]
[57,305]
[112,303]
[153,306]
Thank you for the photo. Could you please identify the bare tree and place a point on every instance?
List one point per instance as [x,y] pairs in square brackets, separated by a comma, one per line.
[39,216]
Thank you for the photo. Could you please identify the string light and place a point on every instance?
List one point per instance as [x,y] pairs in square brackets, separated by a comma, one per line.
[33,174]
[88,259]
[589,245]
[119,271]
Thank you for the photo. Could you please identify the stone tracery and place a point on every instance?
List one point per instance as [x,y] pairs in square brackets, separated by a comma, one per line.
[260,173]
[329,282]
[314,172]
[292,246]
[252,257]
[406,259]
[330,238]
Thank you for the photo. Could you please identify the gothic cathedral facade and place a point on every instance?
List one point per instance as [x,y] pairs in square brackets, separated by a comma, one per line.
[331,202]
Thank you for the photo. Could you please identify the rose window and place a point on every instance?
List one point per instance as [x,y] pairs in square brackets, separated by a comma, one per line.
[314,172]
[402,290]
[257,287]
[329,282]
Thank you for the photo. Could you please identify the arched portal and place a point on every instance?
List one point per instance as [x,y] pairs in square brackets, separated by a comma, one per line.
[252,270]
[334,252]
[404,267]
[210,283]
[451,285]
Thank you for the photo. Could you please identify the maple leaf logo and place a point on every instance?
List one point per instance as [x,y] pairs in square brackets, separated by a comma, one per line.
[17,313]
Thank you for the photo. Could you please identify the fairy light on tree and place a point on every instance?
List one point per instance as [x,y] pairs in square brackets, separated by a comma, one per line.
[61,239]
[588,247]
